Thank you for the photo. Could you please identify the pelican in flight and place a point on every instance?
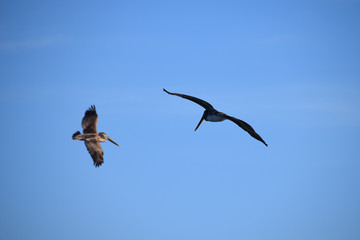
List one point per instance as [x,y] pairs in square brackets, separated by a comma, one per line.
[90,136]
[212,115]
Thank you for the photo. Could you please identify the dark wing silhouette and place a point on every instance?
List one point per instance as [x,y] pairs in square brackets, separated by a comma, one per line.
[246,127]
[202,103]
[95,150]
[89,121]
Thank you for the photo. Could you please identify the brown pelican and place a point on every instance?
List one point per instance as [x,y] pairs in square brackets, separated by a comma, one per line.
[91,137]
[212,115]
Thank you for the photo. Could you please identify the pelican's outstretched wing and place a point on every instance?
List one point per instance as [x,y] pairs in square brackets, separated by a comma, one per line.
[95,150]
[246,127]
[199,101]
[89,121]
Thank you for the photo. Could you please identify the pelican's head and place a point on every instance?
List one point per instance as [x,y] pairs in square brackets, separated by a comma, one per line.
[106,137]
[76,136]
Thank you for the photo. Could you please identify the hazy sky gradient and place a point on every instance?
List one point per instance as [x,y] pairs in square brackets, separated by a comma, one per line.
[291,69]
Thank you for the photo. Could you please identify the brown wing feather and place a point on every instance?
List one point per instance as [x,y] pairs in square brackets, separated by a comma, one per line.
[199,101]
[95,150]
[89,121]
[246,127]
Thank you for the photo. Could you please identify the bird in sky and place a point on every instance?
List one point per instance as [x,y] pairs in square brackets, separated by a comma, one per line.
[91,137]
[212,115]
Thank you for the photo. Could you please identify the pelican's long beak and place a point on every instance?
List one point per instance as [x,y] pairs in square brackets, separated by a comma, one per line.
[113,141]
[201,120]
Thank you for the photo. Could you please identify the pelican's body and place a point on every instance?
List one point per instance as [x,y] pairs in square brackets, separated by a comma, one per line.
[212,115]
[91,137]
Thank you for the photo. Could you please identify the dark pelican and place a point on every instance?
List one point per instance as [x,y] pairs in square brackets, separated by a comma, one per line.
[91,137]
[212,115]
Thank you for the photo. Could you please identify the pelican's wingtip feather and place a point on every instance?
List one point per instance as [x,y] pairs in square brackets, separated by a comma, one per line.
[92,108]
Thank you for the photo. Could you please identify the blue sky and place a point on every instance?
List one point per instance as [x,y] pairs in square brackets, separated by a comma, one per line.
[291,69]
